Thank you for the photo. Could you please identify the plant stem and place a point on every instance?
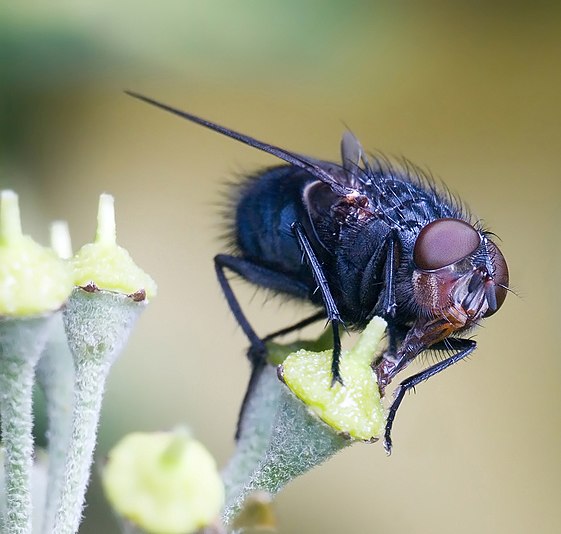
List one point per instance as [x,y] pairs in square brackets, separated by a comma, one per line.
[21,343]
[55,374]
[90,384]
[97,325]
[283,437]
[298,441]
[255,433]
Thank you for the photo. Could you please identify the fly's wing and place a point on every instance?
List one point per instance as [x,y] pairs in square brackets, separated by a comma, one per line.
[333,217]
[355,163]
[337,180]
[351,151]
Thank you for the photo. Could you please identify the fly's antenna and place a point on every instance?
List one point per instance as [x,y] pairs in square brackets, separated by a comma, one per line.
[289,157]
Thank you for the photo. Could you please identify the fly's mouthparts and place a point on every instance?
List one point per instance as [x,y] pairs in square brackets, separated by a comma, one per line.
[491,294]
[475,281]
[476,293]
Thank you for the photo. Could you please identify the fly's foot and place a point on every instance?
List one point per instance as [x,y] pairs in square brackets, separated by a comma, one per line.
[257,353]
[336,378]
[388,441]
[335,367]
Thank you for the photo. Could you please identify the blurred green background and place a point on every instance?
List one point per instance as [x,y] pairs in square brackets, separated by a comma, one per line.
[471,91]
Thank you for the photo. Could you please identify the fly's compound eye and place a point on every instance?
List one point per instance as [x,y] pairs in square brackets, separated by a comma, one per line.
[444,242]
[500,277]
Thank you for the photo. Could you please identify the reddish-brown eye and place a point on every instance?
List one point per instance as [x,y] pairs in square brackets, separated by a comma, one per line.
[500,276]
[443,242]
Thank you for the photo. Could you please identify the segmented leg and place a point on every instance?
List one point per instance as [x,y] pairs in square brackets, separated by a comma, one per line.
[390,304]
[295,327]
[257,352]
[331,310]
[258,364]
[464,348]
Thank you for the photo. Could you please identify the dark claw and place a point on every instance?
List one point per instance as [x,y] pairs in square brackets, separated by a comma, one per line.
[335,365]
[336,377]
[398,396]
[387,442]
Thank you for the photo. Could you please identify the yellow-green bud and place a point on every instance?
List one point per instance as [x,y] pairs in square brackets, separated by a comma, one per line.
[33,280]
[163,482]
[354,408]
[105,264]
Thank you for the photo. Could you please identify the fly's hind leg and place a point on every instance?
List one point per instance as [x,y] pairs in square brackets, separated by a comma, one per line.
[261,276]
[295,327]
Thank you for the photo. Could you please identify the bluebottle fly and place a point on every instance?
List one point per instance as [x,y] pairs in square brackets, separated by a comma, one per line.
[357,239]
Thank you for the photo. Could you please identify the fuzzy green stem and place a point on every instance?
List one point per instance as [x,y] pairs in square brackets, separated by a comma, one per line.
[21,343]
[257,423]
[16,382]
[284,436]
[90,384]
[97,325]
[55,374]
[255,435]
[298,441]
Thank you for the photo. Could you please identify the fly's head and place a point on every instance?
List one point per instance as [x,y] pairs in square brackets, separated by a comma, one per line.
[460,276]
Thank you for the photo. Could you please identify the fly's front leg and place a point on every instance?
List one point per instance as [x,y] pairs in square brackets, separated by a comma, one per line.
[331,310]
[464,347]
[390,303]
[391,360]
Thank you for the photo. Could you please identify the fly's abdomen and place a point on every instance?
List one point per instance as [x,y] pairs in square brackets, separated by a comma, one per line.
[269,204]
